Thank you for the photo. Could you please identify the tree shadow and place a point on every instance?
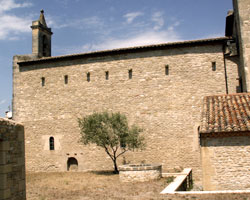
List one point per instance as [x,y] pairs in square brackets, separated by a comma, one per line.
[104,172]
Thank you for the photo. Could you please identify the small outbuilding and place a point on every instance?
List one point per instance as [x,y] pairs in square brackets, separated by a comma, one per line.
[225,142]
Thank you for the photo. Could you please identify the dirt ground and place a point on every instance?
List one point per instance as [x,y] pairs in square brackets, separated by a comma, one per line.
[88,186]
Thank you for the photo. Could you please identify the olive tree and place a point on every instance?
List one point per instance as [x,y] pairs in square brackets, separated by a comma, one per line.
[111,132]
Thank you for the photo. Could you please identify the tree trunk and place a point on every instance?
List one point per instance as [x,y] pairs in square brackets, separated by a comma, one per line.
[116,171]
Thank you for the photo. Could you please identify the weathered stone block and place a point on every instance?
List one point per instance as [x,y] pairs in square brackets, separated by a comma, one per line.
[3,159]
[5,194]
[3,182]
[5,169]
[4,146]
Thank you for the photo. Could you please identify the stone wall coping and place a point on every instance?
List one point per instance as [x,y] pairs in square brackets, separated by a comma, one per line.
[186,171]
[172,187]
[139,167]
[5,121]
[209,192]
[170,174]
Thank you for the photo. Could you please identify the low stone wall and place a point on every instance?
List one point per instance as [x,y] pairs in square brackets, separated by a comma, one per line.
[12,162]
[182,182]
[139,173]
[206,195]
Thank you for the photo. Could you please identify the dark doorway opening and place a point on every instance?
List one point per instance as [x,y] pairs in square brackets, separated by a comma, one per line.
[72,164]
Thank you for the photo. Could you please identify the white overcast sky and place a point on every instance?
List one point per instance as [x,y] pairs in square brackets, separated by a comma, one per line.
[90,25]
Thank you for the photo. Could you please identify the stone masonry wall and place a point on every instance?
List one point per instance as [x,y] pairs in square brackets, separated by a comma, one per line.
[226,163]
[232,64]
[139,173]
[12,163]
[242,13]
[215,195]
[167,107]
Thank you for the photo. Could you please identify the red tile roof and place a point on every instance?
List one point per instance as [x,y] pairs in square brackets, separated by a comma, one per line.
[126,50]
[224,114]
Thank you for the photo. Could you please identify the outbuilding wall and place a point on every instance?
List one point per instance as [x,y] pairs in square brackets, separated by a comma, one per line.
[12,162]
[226,163]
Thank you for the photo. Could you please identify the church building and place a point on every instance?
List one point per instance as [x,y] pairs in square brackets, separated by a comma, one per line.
[170,90]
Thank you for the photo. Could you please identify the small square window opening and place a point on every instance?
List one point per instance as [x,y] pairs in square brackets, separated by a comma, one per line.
[214,66]
[130,74]
[166,70]
[43,81]
[66,79]
[88,76]
[107,75]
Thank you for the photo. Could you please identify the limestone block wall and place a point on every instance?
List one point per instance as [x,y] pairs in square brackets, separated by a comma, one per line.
[242,13]
[226,163]
[12,163]
[208,195]
[139,173]
[166,106]
[233,84]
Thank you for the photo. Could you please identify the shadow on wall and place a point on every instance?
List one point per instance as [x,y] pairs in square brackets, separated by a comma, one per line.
[239,141]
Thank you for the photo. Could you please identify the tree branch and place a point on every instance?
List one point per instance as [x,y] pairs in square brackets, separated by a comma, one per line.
[107,151]
[122,153]
[116,148]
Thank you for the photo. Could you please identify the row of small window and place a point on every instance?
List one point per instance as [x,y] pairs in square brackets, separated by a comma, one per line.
[130,74]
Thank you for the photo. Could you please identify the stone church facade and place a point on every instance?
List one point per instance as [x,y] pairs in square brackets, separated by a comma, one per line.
[158,87]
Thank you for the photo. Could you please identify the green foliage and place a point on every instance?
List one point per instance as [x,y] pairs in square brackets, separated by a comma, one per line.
[169,179]
[111,132]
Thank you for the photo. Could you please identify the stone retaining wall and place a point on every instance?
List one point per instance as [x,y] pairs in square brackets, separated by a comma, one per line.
[12,167]
[139,173]
[182,182]
[215,195]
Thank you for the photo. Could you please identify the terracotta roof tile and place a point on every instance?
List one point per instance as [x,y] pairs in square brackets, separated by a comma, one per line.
[226,113]
[128,49]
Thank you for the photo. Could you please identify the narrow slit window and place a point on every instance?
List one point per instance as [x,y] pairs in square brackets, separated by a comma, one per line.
[88,76]
[107,75]
[130,74]
[166,70]
[51,143]
[66,79]
[45,45]
[43,81]
[214,66]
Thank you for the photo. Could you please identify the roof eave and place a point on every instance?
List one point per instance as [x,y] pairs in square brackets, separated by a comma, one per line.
[126,50]
[224,134]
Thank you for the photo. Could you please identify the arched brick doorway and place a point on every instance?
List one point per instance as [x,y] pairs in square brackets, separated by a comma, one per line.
[72,164]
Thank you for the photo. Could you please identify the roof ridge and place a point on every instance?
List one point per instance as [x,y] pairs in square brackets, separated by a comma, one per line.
[184,42]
